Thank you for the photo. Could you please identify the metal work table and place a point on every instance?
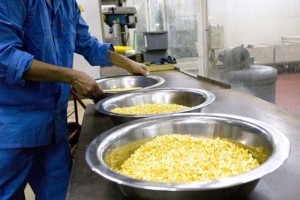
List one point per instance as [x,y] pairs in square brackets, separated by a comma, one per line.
[281,184]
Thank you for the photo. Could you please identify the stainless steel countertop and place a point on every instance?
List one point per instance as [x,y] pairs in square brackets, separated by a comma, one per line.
[282,184]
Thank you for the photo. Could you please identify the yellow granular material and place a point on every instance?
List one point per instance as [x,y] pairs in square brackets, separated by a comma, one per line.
[176,158]
[121,89]
[144,109]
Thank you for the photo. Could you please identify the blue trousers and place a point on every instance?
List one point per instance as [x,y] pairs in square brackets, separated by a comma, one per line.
[46,169]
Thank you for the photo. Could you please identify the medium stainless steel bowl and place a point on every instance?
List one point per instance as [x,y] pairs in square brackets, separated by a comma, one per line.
[244,130]
[128,81]
[193,98]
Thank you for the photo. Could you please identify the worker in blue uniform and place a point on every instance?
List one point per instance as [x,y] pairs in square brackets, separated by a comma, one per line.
[37,41]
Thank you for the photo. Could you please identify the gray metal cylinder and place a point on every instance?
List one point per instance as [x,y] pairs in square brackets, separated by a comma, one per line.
[258,80]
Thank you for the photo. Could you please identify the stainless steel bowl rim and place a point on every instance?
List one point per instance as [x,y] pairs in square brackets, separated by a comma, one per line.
[159,80]
[280,143]
[210,97]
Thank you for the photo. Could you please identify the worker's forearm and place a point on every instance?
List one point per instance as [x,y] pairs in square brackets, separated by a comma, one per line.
[119,60]
[40,71]
[130,65]
[81,82]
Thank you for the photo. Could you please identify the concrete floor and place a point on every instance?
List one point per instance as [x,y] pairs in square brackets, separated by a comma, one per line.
[28,193]
[71,108]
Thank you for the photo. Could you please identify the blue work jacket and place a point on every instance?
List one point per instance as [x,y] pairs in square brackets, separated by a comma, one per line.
[34,113]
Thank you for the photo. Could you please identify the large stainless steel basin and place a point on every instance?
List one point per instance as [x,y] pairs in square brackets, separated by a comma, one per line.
[240,129]
[128,81]
[195,99]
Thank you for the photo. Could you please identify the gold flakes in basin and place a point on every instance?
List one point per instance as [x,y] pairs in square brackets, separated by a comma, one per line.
[144,109]
[178,158]
[121,89]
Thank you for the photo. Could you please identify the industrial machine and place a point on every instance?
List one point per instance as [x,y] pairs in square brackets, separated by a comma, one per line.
[118,18]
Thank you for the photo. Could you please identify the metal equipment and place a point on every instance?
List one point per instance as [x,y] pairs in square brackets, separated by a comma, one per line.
[118,18]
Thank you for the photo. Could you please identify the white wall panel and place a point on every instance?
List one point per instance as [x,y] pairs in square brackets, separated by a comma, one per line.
[91,15]
[255,21]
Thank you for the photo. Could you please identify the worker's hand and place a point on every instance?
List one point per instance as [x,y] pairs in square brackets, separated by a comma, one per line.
[130,65]
[138,68]
[86,86]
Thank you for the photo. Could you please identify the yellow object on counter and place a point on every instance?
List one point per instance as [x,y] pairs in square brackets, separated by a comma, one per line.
[179,158]
[164,67]
[122,49]
[145,109]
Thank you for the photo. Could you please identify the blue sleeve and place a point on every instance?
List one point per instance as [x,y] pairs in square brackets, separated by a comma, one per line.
[95,52]
[13,61]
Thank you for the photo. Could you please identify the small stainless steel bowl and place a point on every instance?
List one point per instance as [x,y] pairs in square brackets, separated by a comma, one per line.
[128,81]
[193,98]
[244,130]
